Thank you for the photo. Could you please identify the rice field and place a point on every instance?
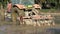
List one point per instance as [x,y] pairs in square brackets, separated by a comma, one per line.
[6,27]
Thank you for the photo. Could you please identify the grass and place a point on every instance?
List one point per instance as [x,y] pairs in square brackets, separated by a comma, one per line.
[49,10]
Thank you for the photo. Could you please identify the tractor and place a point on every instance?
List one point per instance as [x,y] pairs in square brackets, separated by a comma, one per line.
[22,8]
[26,12]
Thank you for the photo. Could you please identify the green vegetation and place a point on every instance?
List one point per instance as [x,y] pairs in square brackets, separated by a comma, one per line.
[48,10]
[57,2]
[3,3]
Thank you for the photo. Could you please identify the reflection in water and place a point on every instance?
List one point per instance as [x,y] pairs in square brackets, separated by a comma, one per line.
[53,31]
[28,30]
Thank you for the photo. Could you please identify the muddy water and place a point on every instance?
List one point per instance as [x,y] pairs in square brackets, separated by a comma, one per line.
[57,19]
[28,30]
[19,29]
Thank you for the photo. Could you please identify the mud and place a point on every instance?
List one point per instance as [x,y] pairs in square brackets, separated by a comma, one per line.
[24,29]
[20,29]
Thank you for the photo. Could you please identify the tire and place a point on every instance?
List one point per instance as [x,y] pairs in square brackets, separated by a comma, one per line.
[15,13]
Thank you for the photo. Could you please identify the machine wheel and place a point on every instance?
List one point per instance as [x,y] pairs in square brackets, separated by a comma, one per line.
[16,13]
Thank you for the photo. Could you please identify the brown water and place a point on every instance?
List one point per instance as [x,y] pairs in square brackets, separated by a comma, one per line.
[10,29]
[19,29]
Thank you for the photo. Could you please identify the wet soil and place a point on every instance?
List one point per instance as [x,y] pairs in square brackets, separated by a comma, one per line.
[8,28]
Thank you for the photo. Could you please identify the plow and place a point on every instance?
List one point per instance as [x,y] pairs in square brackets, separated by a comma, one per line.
[33,18]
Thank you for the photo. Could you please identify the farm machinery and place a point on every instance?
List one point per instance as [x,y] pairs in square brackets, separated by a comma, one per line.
[27,10]
[20,7]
